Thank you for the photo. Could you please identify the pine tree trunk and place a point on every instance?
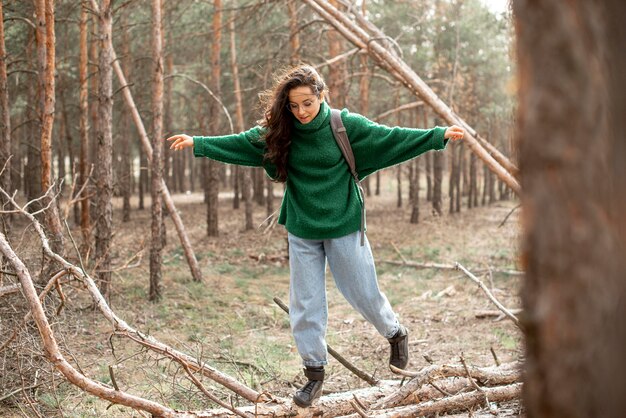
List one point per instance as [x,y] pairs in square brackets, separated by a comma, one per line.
[269,204]
[125,171]
[45,36]
[213,181]
[454,168]
[294,37]
[399,167]
[104,152]
[471,197]
[156,163]
[415,198]
[95,89]
[84,166]
[337,72]
[438,164]
[364,99]
[5,128]
[246,186]
[574,205]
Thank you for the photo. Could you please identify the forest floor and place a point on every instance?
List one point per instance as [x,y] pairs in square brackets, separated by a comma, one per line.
[231,322]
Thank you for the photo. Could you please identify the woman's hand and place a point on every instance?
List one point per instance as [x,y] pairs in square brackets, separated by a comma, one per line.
[454,133]
[180,141]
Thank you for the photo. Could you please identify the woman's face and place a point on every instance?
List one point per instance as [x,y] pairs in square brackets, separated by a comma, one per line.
[304,104]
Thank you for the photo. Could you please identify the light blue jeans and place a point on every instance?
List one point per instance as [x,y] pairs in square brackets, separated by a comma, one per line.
[352,266]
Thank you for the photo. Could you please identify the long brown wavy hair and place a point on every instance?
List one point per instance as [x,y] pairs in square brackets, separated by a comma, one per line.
[278,120]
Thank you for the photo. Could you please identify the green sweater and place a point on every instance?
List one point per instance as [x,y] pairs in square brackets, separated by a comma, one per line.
[321,200]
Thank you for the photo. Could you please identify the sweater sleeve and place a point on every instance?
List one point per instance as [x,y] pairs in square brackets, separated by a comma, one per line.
[245,148]
[378,146]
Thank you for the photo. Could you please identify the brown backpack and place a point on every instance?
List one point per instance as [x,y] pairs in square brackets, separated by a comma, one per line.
[341,136]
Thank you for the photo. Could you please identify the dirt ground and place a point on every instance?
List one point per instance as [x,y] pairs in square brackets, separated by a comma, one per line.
[231,321]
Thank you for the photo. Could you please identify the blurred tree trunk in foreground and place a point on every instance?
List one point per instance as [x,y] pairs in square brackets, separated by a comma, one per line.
[572,148]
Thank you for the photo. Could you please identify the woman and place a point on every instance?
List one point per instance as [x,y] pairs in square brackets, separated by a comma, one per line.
[321,207]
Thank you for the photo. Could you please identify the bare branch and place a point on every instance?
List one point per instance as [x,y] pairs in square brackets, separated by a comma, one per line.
[54,355]
[489,294]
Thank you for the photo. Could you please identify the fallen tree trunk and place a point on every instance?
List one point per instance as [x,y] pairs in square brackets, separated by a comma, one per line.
[399,69]
[463,401]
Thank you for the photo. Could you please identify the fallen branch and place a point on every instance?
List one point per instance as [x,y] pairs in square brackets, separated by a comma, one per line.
[439,266]
[497,315]
[9,289]
[489,294]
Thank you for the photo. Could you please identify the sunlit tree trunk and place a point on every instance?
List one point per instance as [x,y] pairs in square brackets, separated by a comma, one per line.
[156,163]
[5,127]
[571,87]
[45,35]
[104,151]
[213,180]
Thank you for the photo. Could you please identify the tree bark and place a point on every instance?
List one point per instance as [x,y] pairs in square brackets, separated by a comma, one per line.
[213,181]
[125,169]
[5,126]
[338,72]
[294,37]
[104,150]
[83,63]
[44,10]
[415,198]
[473,192]
[364,98]
[438,164]
[246,186]
[156,171]
[574,204]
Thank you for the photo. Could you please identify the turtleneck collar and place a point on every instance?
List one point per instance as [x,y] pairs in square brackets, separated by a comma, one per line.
[316,123]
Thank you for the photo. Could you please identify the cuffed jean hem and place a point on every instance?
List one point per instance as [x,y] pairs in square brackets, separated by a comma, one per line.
[315,363]
[393,331]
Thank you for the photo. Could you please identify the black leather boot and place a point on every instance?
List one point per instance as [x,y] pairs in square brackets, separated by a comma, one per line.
[399,348]
[312,389]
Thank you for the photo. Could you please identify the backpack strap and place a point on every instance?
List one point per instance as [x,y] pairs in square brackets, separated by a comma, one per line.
[341,136]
